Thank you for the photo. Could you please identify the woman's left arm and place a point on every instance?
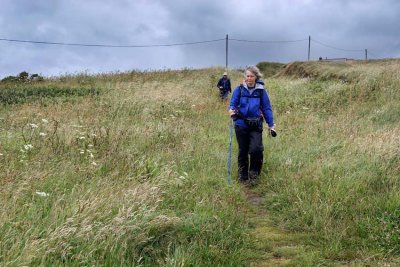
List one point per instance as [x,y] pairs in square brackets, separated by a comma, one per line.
[267,109]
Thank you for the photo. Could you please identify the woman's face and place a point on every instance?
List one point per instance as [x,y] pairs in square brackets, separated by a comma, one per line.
[250,78]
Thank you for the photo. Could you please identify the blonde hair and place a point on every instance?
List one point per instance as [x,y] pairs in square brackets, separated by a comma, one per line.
[254,70]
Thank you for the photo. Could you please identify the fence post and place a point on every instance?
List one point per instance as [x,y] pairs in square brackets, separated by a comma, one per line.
[366,55]
[226,50]
[309,47]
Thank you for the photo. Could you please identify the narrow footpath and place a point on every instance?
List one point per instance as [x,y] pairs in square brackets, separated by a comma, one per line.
[273,247]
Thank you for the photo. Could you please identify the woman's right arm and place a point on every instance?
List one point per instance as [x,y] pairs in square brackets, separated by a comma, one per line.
[234,101]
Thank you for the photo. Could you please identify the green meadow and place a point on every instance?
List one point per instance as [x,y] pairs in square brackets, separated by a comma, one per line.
[130,169]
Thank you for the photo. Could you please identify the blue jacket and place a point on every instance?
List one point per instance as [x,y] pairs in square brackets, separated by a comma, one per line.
[251,103]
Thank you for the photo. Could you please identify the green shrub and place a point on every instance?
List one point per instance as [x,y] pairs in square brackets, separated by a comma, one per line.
[10,95]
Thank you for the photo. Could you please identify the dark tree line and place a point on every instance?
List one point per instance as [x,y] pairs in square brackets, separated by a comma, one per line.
[23,77]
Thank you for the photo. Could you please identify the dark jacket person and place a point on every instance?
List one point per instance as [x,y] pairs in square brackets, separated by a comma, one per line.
[224,86]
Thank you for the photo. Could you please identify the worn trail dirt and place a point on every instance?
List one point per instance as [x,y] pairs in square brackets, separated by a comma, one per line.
[277,247]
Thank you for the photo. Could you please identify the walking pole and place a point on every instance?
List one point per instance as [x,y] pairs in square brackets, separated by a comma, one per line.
[230,153]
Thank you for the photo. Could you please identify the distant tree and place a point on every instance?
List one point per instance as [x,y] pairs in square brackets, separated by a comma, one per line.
[10,79]
[36,77]
[23,76]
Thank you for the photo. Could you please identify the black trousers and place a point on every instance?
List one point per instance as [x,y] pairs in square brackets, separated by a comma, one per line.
[250,143]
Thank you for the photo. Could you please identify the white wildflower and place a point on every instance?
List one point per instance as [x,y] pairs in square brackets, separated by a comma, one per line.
[82,151]
[42,134]
[33,126]
[185,173]
[193,105]
[28,147]
[45,121]
[90,145]
[81,137]
[93,134]
[1,154]
[91,155]
[94,163]
[305,108]
[42,194]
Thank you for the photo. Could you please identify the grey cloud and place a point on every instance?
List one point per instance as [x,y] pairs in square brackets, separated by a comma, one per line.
[343,24]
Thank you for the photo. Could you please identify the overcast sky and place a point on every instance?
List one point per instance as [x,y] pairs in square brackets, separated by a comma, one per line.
[332,25]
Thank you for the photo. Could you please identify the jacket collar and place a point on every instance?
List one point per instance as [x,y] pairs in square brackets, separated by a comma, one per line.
[258,86]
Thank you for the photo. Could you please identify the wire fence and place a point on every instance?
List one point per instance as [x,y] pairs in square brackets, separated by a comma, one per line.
[359,53]
[108,45]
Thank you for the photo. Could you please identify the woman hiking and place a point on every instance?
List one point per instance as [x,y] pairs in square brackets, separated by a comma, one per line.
[249,106]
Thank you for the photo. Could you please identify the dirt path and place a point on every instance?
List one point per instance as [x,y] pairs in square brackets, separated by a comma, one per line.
[273,246]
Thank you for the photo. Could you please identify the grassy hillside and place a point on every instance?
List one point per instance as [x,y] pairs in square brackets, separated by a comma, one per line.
[129,169]
[334,171]
[269,69]
[134,175]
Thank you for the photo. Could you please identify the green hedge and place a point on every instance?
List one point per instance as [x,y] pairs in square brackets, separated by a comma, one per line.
[17,95]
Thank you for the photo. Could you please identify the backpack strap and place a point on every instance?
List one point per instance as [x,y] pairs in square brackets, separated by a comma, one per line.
[250,96]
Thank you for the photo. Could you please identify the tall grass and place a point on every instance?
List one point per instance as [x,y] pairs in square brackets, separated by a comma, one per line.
[136,175]
[334,172]
[124,179]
